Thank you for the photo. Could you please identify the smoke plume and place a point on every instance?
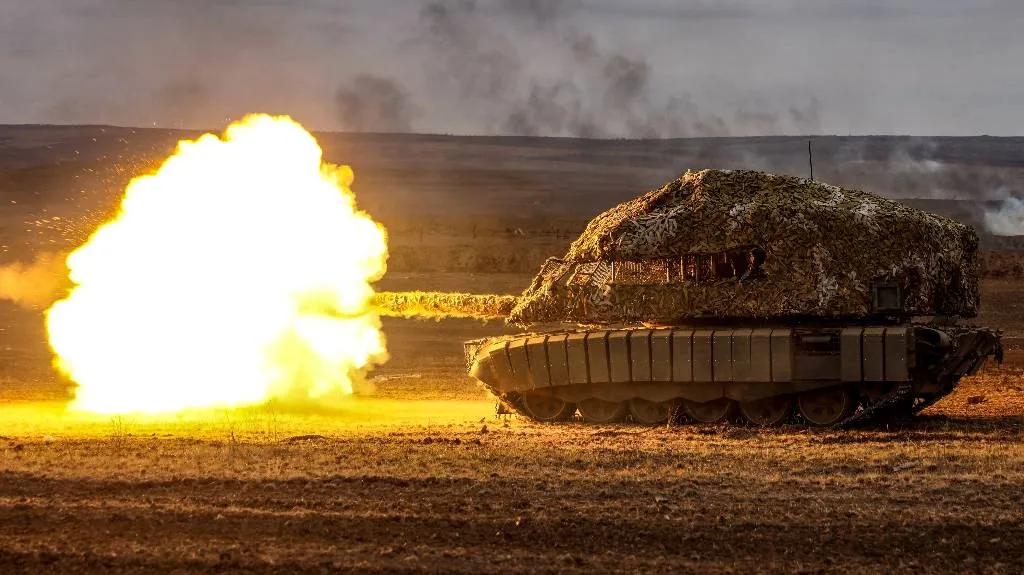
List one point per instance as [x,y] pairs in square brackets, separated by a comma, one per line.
[373,104]
[547,67]
[1007,219]
[924,169]
[586,89]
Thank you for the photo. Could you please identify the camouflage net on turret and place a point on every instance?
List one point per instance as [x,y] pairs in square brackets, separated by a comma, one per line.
[746,244]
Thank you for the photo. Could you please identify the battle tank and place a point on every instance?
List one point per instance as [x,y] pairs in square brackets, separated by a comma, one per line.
[730,295]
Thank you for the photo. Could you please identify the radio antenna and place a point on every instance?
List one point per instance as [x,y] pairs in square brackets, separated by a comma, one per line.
[810,159]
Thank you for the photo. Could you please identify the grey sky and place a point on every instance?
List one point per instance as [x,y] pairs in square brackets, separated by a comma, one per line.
[547,67]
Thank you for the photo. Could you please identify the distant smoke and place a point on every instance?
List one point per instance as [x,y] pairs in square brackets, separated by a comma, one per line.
[540,13]
[922,168]
[467,61]
[915,170]
[549,67]
[473,56]
[374,104]
[808,119]
[1007,219]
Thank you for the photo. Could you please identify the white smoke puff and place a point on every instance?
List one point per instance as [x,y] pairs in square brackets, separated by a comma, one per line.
[1008,220]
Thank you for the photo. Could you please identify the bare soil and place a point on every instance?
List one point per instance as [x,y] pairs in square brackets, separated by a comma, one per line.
[419,475]
[940,496]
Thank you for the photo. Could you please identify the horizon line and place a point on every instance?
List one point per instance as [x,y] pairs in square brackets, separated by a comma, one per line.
[521,136]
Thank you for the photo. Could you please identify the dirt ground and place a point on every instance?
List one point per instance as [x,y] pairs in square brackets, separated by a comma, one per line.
[420,476]
[941,497]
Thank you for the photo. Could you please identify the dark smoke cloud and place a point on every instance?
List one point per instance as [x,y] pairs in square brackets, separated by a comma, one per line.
[541,13]
[370,103]
[594,92]
[611,68]
[469,61]
[807,119]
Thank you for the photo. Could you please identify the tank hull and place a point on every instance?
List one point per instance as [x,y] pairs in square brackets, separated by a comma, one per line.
[830,375]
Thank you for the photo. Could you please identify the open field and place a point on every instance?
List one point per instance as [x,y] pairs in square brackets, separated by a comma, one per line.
[417,474]
[269,493]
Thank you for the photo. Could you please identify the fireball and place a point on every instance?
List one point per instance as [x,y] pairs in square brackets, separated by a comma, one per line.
[239,272]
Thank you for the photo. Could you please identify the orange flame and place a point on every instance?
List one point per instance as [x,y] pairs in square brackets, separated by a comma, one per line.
[237,273]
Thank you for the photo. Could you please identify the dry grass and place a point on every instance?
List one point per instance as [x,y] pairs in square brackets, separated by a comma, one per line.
[431,484]
[996,392]
[451,440]
[1002,265]
[302,494]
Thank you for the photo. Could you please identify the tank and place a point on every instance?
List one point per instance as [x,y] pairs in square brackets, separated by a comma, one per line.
[743,295]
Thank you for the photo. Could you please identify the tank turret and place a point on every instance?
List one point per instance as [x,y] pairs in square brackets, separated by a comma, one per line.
[740,245]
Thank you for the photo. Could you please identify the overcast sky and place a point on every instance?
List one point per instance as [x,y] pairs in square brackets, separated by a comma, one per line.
[606,68]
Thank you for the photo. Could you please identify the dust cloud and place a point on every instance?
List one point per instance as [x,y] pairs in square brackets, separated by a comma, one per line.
[36,284]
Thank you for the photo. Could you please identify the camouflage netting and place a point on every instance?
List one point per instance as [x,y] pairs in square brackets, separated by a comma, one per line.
[443,305]
[746,244]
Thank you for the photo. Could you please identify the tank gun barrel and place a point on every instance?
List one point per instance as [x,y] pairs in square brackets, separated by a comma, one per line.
[420,304]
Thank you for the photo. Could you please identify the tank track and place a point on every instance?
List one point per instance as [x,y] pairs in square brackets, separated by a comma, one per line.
[875,412]
[962,355]
[511,404]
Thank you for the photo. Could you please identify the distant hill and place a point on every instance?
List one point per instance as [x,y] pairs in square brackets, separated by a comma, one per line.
[408,176]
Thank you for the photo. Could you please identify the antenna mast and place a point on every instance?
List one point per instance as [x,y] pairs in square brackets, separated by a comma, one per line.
[810,159]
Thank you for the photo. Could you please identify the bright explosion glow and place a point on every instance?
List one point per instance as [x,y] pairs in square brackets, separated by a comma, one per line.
[239,272]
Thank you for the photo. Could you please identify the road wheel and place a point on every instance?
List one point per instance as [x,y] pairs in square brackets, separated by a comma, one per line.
[767,411]
[650,412]
[829,406]
[596,410]
[547,409]
[715,411]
